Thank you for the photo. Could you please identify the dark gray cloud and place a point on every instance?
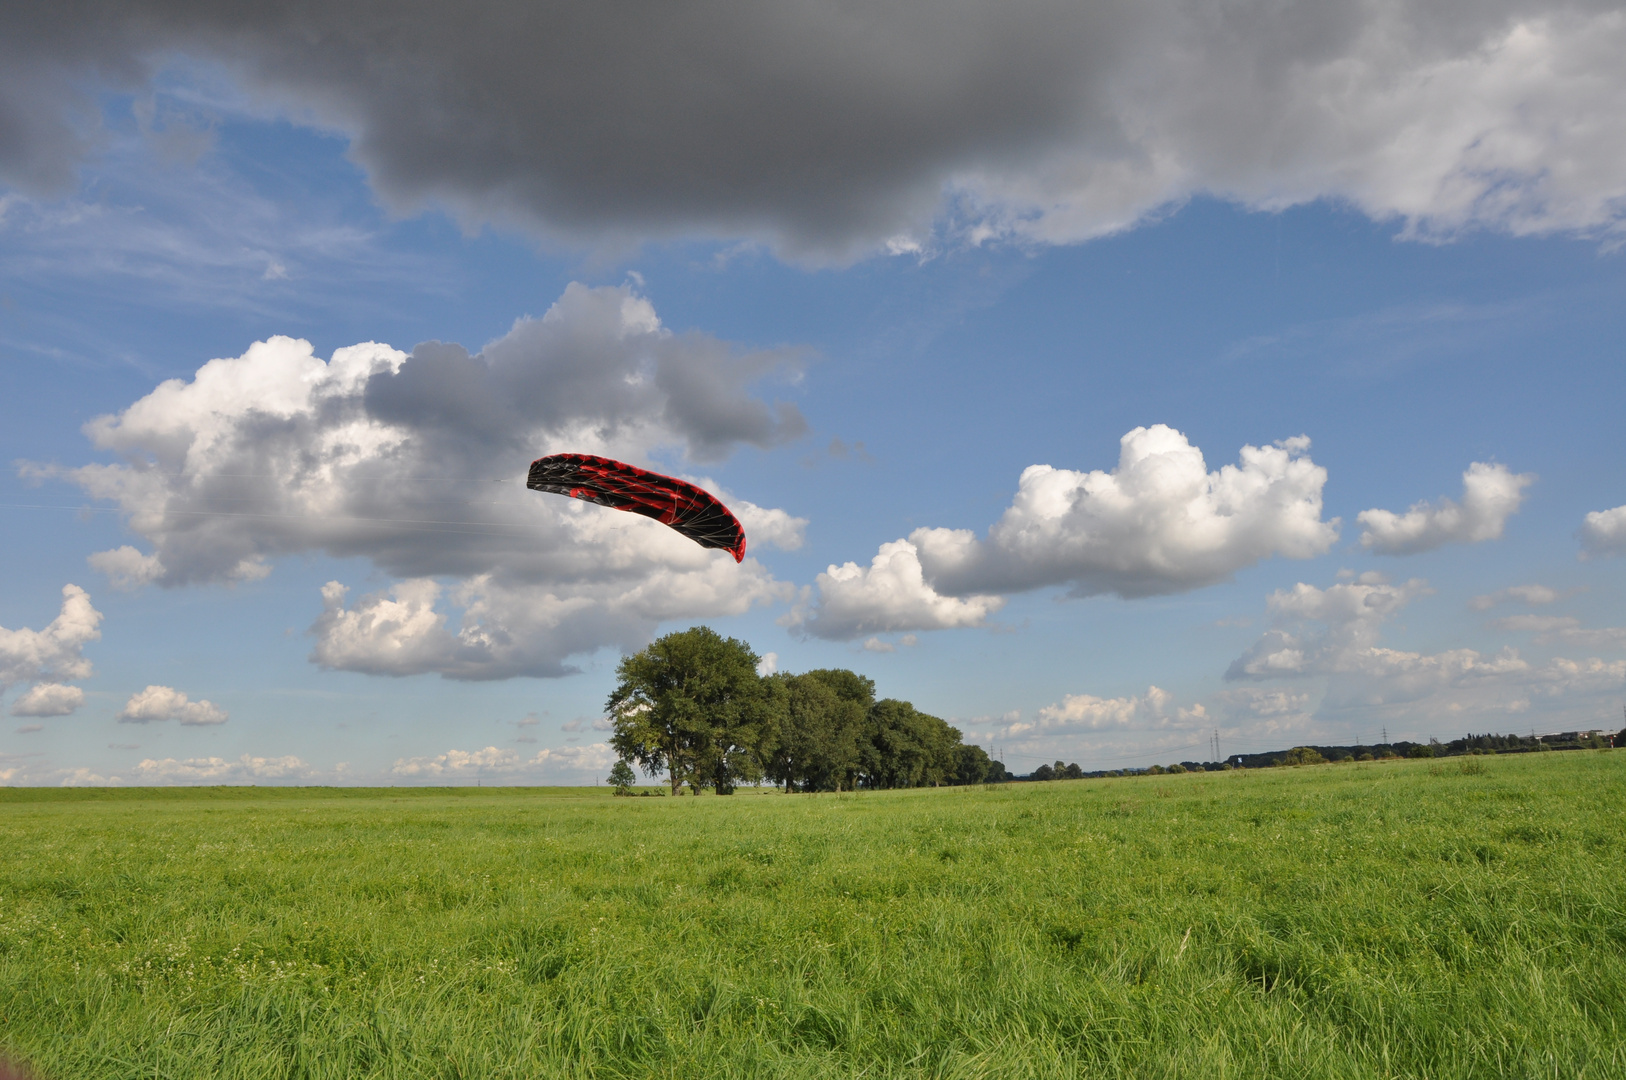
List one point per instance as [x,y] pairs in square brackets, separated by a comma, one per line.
[827,128]
[598,359]
[820,124]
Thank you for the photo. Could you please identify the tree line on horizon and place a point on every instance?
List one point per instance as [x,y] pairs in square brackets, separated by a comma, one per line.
[1468,745]
[693,707]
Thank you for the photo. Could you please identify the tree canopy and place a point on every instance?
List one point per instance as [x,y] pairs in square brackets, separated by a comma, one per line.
[692,705]
[621,778]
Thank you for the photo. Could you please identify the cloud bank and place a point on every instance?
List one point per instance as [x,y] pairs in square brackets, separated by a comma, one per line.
[498,761]
[1159,523]
[415,462]
[215,770]
[831,129]
[1345,618]
[1332,635]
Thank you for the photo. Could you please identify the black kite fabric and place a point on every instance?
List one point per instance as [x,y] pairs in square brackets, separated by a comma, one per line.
[690,510]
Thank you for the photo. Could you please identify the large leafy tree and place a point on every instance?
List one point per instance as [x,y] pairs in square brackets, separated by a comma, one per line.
[907,748]
[692,705]
[822,720]
[971,764]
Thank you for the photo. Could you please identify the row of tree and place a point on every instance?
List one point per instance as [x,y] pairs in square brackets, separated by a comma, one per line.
[693,706]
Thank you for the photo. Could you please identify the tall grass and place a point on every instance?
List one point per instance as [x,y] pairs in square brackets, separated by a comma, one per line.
[1337,921]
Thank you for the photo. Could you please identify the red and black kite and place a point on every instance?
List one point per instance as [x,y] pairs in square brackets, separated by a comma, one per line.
[670,501]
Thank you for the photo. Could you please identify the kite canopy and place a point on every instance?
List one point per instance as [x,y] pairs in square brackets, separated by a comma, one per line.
[670,501]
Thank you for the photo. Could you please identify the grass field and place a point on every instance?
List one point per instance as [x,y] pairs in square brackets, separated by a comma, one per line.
[1392,920]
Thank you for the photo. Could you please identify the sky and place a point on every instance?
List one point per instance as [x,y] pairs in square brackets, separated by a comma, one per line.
[1108,379]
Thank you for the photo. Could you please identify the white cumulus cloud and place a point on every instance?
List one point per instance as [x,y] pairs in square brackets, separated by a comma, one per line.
[48,699]
[1604,532]
[458,763]
[415,462]
[1490,495]
[891,593]
[1158,523]
[216,770]
[501,761]
[127,569]
[83,777]
[573,761]
[166,703]
[1086,712]
[55,653]
[523,628]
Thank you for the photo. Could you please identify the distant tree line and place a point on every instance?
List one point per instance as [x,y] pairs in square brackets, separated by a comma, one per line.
[1323,755]
[1467,745]
[1058,771]
[692,706]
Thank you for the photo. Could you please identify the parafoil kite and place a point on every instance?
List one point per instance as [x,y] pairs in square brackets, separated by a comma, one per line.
[670,501]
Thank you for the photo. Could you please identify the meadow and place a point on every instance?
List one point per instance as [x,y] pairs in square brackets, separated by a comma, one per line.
[1457,918]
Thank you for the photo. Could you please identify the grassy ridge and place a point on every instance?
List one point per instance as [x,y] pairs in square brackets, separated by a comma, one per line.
[1406,919]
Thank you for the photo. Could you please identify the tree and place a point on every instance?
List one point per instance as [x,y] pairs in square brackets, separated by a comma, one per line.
[1304,755]
[906,747]
[693,706]
[849,686]
[821,721]
[843,755]
[971,764]
[621,778]
[1043,772]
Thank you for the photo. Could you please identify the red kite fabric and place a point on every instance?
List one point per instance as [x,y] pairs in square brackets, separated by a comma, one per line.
[670,501]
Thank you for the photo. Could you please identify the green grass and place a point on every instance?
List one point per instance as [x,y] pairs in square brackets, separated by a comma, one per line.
[1391,920]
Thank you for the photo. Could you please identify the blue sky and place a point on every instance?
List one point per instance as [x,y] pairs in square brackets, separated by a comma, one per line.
[1364,372]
